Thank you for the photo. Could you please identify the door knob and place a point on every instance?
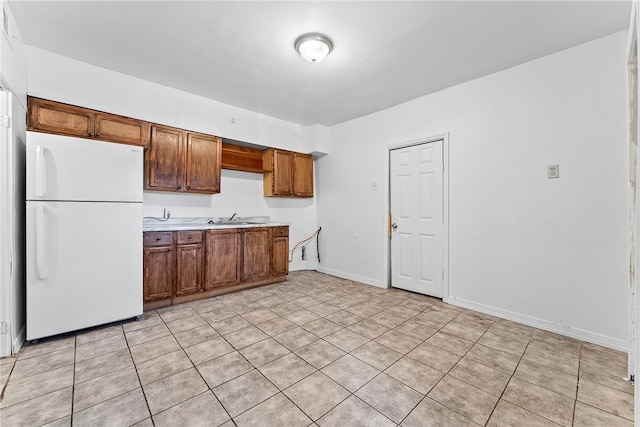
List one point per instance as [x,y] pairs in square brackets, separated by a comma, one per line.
[394,225]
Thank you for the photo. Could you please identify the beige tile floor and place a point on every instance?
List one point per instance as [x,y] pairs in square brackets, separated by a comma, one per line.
[315,350]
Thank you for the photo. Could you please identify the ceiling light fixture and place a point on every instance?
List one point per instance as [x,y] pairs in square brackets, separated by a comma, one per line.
[313,46]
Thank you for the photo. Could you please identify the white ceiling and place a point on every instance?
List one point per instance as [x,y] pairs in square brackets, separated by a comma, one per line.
[241,53]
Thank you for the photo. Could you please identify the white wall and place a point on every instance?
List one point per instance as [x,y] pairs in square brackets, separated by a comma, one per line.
[550,253]
[13,72]
[55,77]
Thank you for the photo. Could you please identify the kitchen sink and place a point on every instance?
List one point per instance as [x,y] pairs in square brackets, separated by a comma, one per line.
[238,223]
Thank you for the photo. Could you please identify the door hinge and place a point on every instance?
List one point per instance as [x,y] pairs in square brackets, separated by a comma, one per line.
[5,121]
[4,328]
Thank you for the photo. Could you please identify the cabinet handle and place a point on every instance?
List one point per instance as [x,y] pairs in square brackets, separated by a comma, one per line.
[188,187]
[169,249]
[90,134]
[190,237]
[41,172]
[40,264]
[179,187]
[98,134]
[158,239]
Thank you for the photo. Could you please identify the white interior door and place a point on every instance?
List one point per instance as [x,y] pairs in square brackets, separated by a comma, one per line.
[417,216]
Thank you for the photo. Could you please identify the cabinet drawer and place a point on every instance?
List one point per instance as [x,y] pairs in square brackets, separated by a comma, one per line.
[194,236]
[158,238]
[280,231]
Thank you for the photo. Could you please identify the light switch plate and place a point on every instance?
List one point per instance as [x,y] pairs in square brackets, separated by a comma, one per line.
[553,171]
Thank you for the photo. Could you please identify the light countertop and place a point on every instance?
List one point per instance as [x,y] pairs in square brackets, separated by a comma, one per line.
[208,223]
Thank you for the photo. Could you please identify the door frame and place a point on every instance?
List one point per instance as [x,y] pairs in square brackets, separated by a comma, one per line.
[633,120]
[6,225]
[445,206]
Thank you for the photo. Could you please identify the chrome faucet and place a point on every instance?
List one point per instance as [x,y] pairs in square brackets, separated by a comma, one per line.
[233,216]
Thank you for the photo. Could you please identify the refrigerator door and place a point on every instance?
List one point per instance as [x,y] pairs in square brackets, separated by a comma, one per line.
[84,265]
[66,168]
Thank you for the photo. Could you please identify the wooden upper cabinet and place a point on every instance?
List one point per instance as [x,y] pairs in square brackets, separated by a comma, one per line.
[287,174]
[109,127]
[53,117]
[302,175]
[164,159]
[177,160]
[203,163]
[282,173]
[62,119]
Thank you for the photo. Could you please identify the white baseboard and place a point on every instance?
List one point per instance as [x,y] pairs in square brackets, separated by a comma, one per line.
[592,337]
[355,278]
[19,339]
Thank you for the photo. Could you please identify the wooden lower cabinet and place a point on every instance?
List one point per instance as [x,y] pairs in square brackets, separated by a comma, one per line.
[256,254]
[223,259]
[280,248]
[189,263]
[159,262]
[181,266]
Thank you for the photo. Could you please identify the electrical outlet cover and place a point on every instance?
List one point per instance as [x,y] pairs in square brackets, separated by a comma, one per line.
[553,171]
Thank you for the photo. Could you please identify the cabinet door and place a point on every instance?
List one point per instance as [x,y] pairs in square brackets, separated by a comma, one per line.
[256,254]
[302,175]
[63,119]
[223,258]
[189,273]
[280,256]
[203,163]
[110,127]
[164,159]
[158,272]
[282,173]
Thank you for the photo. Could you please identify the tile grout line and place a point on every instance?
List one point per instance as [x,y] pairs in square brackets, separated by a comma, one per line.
[196,368]
[73,383]
[4,386]
[135,366]
[449,371]
[507,385]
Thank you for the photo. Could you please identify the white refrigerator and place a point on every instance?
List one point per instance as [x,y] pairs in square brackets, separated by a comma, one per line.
[84,233]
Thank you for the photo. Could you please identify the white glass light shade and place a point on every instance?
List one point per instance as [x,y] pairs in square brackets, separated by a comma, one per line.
[313,47]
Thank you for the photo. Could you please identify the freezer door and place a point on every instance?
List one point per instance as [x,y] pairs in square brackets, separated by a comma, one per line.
[84,265]
[67,168]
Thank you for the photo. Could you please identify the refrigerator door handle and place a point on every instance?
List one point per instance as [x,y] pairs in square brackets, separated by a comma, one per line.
[40,172]
[40,225]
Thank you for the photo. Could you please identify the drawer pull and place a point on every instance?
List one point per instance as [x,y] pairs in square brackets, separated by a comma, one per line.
[190,237]
[158,239]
